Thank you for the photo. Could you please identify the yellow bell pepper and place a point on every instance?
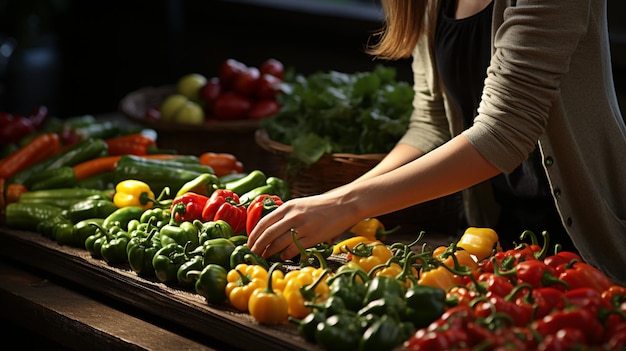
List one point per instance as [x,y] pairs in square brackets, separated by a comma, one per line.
[242,281]
[348,244]
[267,305]
[480,242]
[133,192]
[372,228]
[439,277]
[367,256]
[305,285]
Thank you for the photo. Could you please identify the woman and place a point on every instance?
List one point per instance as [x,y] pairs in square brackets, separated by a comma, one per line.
[546,94]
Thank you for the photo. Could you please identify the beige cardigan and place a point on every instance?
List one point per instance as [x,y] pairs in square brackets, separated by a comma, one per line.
[550,79]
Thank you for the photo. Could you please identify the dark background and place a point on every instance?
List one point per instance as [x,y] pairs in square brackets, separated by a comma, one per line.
[83,57]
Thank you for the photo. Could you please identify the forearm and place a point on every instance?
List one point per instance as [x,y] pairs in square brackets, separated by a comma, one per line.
[450,168]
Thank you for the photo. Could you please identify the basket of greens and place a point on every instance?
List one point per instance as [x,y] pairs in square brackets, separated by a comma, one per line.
[333,126]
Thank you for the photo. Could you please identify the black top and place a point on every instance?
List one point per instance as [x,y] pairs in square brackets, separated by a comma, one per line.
[462,55]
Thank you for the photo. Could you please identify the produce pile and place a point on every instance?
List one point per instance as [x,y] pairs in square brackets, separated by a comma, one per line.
[183,221]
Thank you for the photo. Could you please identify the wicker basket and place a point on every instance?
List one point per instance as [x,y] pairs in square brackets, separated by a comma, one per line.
[441,216]
[234,137]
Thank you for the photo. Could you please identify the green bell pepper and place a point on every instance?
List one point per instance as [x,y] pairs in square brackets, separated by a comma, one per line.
[211,283]
[179,234]
[239,240]
[339,332]
[243,254]
[308,325]
[345,285]
[166,262]
[82,230]
[213,230]
[64,233]
[141,250]
[189,280]
[424,304]
[217,251]
[381,287]
[385,333]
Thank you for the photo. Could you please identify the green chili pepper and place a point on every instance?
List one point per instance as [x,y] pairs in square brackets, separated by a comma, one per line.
[217,251]
[90,208]
[241,186]
[204,184]
[239,240]
[243,254]
[213,230]
[141,250]
[211,283]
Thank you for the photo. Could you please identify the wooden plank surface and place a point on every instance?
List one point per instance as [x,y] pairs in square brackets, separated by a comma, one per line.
[182,308]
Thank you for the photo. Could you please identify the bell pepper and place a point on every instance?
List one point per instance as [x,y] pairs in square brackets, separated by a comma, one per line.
[384,333]
[424,304]
[166,262]
[63,233]
[373,229]
[243,279]
[224,204]
[369,255]
[217,251]
[273,186]
[114,249]
[259,208]
[348,244]
[480,242]
[560,259]
[241,186]
[159,216]
[304,285]
[211,283]
[351,290]
[307,326]
[439,277]
[141,250]
[204,184]
[534,272]
[580,319]
[268,306]
[194,263]
[213,230]
[381,287]
[132,192]
[239,240]
[193,205]
[243,254]
[179,233]
[339,332]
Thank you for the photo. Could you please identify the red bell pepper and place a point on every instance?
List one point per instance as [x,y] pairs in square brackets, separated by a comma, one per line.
[259,207]
[224,205]
[587,298]
[536,273]
[560,259]
[581,274]
[545,300]
[495,284]
[194,204]
[576,318]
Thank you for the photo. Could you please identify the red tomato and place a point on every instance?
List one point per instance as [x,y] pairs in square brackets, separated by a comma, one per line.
[228,70]
[210,91]
[267,87]
[263,109]
[245,83]
[272,66]
[230,106]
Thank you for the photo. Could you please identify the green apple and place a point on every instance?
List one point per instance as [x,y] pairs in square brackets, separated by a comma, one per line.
[190,113]
[171,105]
[190,84]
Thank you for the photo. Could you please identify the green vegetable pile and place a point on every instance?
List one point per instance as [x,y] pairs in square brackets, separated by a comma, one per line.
[335,112]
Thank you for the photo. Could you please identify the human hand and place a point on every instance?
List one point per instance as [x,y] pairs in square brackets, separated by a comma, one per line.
[315,219]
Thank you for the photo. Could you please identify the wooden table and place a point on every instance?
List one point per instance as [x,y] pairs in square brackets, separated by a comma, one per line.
[63,294]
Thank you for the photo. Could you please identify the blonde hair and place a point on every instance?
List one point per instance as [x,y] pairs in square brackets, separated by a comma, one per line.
[404,23]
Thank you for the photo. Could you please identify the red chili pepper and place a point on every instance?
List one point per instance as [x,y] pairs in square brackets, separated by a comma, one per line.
[545,300]
[563,257]
[615,295]
[615,336]
[194,204]
[499,305]
[224,204]
[534,272]
[575,318]
[581,274]
[587,298]
[495,284]
[259,207]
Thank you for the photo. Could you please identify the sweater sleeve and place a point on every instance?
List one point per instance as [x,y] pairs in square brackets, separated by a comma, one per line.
[532,50]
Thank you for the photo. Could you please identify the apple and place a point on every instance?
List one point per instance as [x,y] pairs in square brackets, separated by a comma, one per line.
[190,84]
[230,106]
[272,66]
[263,109]
[267,87]
[228,70]
[190,113]
[171,105]
[245,83]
